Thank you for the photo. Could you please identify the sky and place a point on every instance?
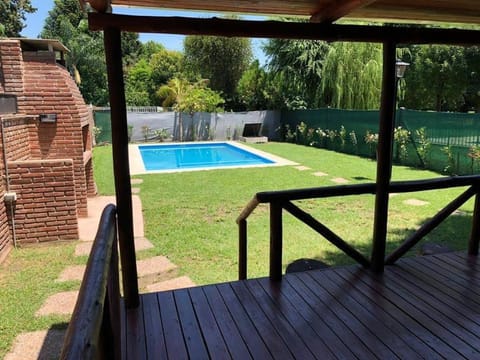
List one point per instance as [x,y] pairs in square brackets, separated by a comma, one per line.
[35,23]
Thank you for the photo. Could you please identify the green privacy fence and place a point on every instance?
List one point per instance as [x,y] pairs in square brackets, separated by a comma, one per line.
[102,122]
[445,147]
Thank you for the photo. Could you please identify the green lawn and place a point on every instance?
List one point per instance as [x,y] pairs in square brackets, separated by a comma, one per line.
[190,216]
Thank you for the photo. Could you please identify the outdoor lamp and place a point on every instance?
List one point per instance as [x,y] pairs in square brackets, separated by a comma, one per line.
[400,68]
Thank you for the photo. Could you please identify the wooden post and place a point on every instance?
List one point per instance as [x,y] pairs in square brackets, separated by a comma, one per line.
[121,169]
[384,156]
[475,234]
[276,243]
[242,250]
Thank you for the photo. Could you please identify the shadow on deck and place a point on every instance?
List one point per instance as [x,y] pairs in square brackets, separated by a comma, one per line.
[422,307]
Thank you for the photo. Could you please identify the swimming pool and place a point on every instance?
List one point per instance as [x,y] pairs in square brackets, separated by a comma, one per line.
[198,156]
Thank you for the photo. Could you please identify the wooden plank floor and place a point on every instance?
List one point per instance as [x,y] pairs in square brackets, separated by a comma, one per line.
[423,307]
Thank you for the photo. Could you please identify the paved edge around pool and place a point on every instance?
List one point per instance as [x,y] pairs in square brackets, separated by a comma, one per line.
[137,167]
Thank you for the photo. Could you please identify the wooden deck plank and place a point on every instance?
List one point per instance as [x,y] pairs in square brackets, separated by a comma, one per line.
[213,337]
[366,335]
[387,313]
[328,315]
[190,327]
[154,337]
[359,309]
[423,307]
[460,338]
[316,322]
[174,342]
[267,331]
[250,335]
[227,326]
[454,310]
[291,313]
[439,334]
[297,343]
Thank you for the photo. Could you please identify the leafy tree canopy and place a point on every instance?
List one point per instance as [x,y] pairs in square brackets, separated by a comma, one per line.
[221,60]
[12,16]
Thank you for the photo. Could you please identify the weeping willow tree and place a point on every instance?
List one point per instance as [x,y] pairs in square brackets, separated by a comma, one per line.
[352,76]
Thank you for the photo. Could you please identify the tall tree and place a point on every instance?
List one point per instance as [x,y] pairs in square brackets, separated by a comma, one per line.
[221,60]
[437,78]
[299,63]
[352,76]
[86,60]
[12,16]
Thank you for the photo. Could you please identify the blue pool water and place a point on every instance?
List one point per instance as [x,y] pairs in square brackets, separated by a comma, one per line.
[192,156]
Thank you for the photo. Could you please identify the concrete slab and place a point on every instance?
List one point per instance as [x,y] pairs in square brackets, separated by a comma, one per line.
[176,283]
[319,173]
[302,168]
[59,304]
[87,226]
[43,344]
[84,247]
[135,190]
[154,270]
[416,202]
[136,181]
[340,180]
[72,273]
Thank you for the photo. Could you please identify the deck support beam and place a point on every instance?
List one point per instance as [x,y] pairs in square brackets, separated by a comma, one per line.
[121,169]
[475,234]
[276,240]
[384,156]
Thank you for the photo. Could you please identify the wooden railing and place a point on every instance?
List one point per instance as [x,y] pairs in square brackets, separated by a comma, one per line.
[282,200]
[94,329]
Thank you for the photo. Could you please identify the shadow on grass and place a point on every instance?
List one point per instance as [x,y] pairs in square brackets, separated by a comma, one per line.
[453,233]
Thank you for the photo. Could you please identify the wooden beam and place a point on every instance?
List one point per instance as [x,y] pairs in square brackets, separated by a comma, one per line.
[283,30]
[338,9]
[121,169]
[102,6]
[384,156]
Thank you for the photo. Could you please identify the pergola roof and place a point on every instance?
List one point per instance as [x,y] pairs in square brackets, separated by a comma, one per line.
[409,11]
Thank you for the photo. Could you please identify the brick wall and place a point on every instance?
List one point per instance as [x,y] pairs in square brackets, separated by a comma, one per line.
[49,164]
[45,207]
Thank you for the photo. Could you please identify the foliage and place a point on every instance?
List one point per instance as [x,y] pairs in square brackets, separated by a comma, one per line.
[221,60]
[12,16]
[253,88]
[352,76]
[437,78]
[298,66]
[200,99]
[450,167]
[474,154]
[86,59]
[372,140]
[96,131]
[401,137]
[423,145]
[146,131]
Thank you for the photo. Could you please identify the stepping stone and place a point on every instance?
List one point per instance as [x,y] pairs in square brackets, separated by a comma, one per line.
[415,202]
[135,190]
[136,181]
[72,273]
[302,168]
[319,173]
[83,249]
[176,283]
[393,194]
[43,344]
[155,269]
[340,180]
[59,304]
[305,265]
[432,249]
[459,213]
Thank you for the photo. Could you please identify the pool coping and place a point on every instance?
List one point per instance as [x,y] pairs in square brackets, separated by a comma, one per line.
[137,167]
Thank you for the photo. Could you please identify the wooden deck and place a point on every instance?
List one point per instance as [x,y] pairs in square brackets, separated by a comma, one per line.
[423,307]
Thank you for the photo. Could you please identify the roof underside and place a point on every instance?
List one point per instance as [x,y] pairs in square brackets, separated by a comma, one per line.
[409,11]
